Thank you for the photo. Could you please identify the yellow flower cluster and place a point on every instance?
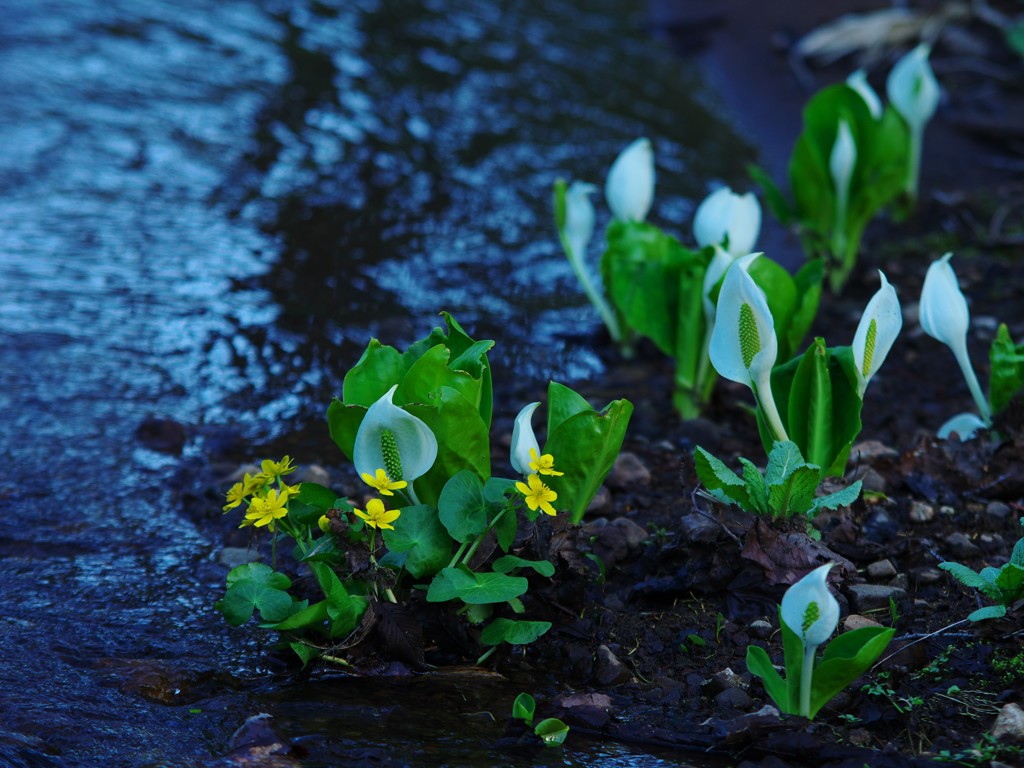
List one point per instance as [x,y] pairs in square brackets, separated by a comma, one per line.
[265,504]
[376,514]
[535,492]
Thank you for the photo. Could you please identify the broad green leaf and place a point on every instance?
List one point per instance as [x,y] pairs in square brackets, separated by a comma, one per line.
[810,406]
[496,489]
[421,537]
[524,707]
[1011,583]
[311,503]
[505,529]
[584,446]
[462,440]
[474,588]
[471,356]
[1007,369]
[255,586]
[793,655]
[551,731]
[513,632]
[807,280]
[311,616]
[761,666]
[773,197]
[563,404]
[344,611]
[783,460]
[430,373]
[780,292]
[858,650]
[379,369]
[462,507]
[343,422]
[509,563]
[988,612]
[694,376]
[305,652]
[1017,558]
[716,476]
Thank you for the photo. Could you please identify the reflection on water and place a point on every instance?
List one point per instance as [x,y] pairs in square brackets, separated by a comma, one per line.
[206,210]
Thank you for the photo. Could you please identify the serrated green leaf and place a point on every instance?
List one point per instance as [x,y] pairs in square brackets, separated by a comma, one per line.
[757,489]
[716,476]
[988,612]
[783,460]
[1006,377]
[795,495]
[1010,582]
[970,578]
[843,498]
[513,632]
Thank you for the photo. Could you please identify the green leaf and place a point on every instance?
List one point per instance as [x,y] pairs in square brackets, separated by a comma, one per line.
[255,586]
[471,356]
[843,498]
[780,292]
[970,578]
[1017,558]
[379,369]
[343,422]
[462,507]
[716,476]
[513,632]
[509,563]
[462,439]
[420,535]
[524,707]
[854,652]
[1007,369]
[344,611]
[796,494]
[783,460]
[312,502]
[1015,37]
[757,489]
[552,731]
[1011,583]
[584,446]
[761,666]
[988,612]
[793,656]
[305,652]
[311,616]
[474,588]
[430,373]
[773,197]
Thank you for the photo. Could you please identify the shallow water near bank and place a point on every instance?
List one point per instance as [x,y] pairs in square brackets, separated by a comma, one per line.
[207,211]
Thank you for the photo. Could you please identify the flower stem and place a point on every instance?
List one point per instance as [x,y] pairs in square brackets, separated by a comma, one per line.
[806,676]
[482,536]
[765,399]
[960,351]
[596,298]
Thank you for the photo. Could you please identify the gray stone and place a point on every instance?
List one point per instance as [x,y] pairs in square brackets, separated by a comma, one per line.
[733,698]
[870,597]
[311,473]
[698,529]
[880,570]
[729,679]
[760,629]
[921,512]
[609,670]
[926,575]
[1009,724]
[235,556]
[960,545]
[997,510]
[872,481]
[629,471]
[856,621]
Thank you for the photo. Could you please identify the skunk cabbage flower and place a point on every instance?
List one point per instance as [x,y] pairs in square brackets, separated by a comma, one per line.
[809,609]
[394,440]
[579,218]
[841,164]
[629,188]
[859,82]
[944,316]
[724,214]
[914,93]
[743,345]
[524,440]
[812,614]
[965,425]
[878,328]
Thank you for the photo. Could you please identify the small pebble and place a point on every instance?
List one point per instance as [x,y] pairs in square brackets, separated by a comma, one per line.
[629,471]
[1009,724]
[882,569]
[760,629]
[960,545]
[921,512]
[733,698]
[926,575]
[856,621]
[997,510]
[601,504]
[869,597]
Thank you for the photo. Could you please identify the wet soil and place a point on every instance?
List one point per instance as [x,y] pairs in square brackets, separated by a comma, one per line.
[659,592]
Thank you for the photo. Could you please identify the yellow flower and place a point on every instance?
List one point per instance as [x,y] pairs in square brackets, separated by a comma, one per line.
[376,516]
[383,483]
[271,469]
[290,490]
[324,523]
[545,464]
[241,491]
[537,494]
[265,510]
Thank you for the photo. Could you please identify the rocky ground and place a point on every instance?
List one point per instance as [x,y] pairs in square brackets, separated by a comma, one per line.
[659,592]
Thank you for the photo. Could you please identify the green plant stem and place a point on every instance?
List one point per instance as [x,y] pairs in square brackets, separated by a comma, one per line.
[482,536]
[605,311]
[914,161]
[767,403]
[806,677]
[458,554]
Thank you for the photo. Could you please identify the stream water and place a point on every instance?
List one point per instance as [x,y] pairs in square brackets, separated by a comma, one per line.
[206,211]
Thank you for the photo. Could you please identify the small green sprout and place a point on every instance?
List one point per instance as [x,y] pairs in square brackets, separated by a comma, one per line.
[551,731]
[1004,585]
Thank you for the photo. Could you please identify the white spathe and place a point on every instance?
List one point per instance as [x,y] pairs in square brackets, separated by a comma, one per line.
[965,425]
[725,215]
[944,316]
[912,88]
[629,188]
[877,331]
[859,82]
[842,162]
[743,346]
[797,609]
[579,217]
[416,444]
[524,440]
